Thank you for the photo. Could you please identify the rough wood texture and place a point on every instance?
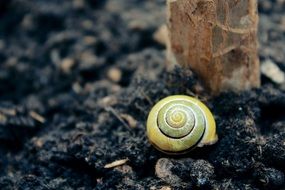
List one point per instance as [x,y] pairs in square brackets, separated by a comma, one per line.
[217,39]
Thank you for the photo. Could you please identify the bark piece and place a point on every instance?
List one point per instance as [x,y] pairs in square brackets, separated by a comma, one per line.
[217,39]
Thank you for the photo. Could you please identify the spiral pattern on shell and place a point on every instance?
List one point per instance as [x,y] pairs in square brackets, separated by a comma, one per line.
[177,124]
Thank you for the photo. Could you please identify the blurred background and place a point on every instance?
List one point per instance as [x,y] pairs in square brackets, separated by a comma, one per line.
[63,62]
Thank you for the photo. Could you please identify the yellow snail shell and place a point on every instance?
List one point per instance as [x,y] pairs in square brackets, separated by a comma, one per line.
[179,123]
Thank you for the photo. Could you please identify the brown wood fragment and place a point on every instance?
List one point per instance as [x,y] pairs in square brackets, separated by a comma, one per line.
[116,163]
[37,117]
[7,111]
[130,120]
[217,39]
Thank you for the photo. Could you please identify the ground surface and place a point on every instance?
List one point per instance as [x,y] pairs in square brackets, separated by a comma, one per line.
[77,79]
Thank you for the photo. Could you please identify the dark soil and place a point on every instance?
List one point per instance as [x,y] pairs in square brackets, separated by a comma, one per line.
[77,79]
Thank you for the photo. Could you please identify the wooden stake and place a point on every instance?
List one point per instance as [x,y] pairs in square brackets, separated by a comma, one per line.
[217,39]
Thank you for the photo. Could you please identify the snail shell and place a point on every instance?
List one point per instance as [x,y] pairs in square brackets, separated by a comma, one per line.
[177,124]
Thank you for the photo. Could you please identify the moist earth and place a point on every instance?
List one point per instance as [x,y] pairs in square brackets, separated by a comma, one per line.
[78,78]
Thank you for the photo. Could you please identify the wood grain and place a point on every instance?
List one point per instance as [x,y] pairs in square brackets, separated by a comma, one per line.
[217,39]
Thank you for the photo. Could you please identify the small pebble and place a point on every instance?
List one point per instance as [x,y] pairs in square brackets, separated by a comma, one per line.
[76,88]
[27,22]
[78,4]
[272,71]
[67,64]
[161,35]
[87,60]
[89,40]
[163,171]
[115,75]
